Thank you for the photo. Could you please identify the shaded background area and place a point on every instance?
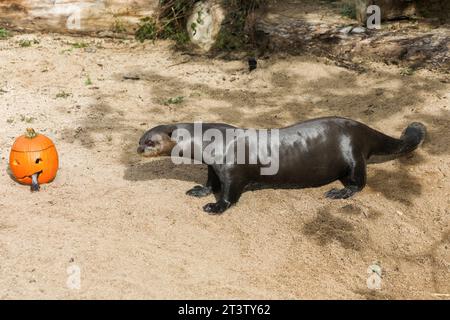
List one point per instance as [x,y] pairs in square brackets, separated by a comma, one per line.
[413,34]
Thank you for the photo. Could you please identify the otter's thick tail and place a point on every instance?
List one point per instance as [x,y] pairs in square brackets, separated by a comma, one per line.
[390,148]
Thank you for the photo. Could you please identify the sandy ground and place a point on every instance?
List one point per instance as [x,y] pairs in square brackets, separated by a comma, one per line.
[127,223]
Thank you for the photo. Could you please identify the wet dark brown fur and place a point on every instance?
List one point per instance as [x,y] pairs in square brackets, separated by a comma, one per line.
[311,153]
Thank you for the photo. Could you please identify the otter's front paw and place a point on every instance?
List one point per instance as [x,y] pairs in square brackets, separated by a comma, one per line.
[199,191]
[35,187]
[339,193]
[216,208]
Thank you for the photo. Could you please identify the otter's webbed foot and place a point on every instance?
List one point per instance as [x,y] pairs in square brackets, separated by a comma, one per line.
[340,193]
[216,208]
[35,183]
[199,191]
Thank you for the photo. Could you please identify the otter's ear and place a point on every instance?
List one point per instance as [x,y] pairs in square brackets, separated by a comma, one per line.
[170,130]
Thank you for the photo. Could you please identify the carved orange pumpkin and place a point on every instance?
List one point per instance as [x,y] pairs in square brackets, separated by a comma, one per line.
[33,153]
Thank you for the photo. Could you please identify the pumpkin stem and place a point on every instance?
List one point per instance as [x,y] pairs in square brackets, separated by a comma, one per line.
[30,133]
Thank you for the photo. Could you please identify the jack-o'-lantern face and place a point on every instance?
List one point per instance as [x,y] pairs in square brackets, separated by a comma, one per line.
[33,153]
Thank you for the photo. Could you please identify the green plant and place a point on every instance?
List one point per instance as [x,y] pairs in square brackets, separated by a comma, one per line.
[232,35]
[151,29]
[26,119]
[63,94]
[27,43]
[88,81]
[66,50]
[79,45]
[248,5]
[199,20]
[170,22]
[407,71]
[118,26]
[174,13]
[195,94]
[348,10]
[238,28]
[174,100]
[147,30]
[4,33]
[180,38]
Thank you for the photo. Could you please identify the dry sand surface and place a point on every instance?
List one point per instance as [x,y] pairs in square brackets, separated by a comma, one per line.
[127,223]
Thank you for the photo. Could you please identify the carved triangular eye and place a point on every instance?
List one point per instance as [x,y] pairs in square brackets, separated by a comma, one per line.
[16,163]
[38,160]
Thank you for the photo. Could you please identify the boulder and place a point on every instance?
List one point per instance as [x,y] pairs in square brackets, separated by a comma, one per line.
[204,23]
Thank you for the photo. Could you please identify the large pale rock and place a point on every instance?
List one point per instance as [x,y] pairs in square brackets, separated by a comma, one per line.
[85,16]
[204,23]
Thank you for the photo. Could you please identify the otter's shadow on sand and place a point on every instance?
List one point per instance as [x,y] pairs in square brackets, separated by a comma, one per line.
[398,186]
[164,168]
[380,180]
[326,228]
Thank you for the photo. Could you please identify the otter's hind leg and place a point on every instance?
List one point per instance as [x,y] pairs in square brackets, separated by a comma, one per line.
[353,182]
[212,185]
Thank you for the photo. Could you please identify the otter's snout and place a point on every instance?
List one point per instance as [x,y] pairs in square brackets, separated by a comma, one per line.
[147,151]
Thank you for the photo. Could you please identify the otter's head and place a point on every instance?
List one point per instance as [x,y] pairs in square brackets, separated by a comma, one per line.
[157,142]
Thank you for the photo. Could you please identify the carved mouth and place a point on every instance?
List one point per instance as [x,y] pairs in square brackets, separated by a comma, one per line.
[29,176]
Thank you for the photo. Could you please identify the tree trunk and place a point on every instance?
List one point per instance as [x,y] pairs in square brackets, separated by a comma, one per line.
[83,16]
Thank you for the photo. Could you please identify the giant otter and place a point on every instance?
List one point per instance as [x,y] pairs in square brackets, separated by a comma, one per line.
[311,153]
